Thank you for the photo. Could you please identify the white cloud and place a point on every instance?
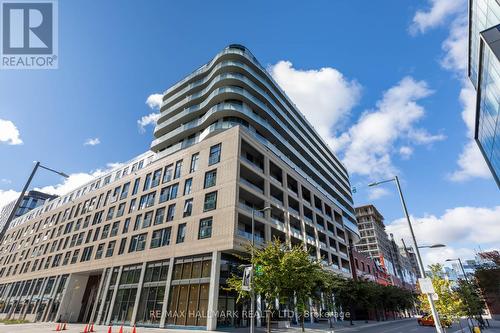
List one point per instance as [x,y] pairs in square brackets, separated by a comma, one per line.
[368,145]
[9,133]
[325,96]
[376,193]
[7,196]
[458,228]
[455,46]
[405,152]
[92,142]
[471,164]
[154,102]
[436,15]
[77,179]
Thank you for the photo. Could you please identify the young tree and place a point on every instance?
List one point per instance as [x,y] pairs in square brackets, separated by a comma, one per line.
[470,295]
[449,303]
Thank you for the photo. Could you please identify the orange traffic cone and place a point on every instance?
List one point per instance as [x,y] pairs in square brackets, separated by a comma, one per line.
[58,328]
[121,329]
[109,329]
[92,327]
[64,327]
[86,329]
[133,329]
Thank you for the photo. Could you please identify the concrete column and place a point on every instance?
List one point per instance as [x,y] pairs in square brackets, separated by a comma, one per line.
[104,294]
[64,296]
[99,292]
[113,298]
[138,294]
[166,294]
[213,292]
[267,233]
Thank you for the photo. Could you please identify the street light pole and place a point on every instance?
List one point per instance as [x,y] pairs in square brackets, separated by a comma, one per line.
[252,294]
[421,267]
[21,196]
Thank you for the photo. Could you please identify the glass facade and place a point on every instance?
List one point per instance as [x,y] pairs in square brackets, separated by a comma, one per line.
[484,69]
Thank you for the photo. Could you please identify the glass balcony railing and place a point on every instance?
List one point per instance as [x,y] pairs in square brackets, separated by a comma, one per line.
[250,209]
[251,185]
[248,235]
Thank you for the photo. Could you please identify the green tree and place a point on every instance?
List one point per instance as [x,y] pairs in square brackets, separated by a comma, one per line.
[470,295]
[449,303]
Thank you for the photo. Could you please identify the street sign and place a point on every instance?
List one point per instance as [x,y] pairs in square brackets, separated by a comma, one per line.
[434,296]
[247,279]
[426,286]
[258,270]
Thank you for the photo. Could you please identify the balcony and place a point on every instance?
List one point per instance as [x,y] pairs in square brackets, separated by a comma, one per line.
[296,232]
[280,225]
[249,209]
[248,235]
[251,185]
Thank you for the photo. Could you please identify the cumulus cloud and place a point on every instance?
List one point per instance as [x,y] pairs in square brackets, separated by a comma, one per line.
[367,146]
[376,193]
[77,179]
[458,228]
[325,96]
[471,164]
[9,133]
[92,142]
[405,152]
[7,196]
[437,14]
[154,102]
[455,46]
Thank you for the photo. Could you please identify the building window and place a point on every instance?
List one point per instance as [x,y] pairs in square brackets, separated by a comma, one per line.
[188,208]
[159,216]
[171,212]
[123,243]
[214,156]
[194,162]
[187,186]
[124,194]
[86,254]
[75,256]
[121,209]
[137,243]
[169,192]
[181,233]
[136,186]
[147,219]
[132,207]
[205,230]
[147,200]
[137,223]
[114,229]
[210,201]
[178,168]
[210,178]
[111,249]
[98,252]
[167,175]
[111,212]
[160,237]
[147,182]
[126,225]
[156,178]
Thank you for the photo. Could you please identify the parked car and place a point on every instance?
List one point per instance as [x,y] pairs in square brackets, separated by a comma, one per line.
[428,320]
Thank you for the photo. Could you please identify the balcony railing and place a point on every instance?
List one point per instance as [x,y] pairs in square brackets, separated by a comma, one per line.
[250,209]
[310,239]
[279,223]
[248,236]
[251,185]
[255,165]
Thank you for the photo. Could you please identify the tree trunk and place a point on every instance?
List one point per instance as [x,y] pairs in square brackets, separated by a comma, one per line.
[302,322]
[268,320]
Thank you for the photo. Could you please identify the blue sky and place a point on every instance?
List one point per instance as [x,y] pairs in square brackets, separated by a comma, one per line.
[384,72]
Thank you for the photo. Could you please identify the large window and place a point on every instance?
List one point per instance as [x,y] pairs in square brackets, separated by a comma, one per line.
[188,208]
[205,230]
[147,200]
[168,173]
[178,169]
[181,233]
[136,186]
[169,192]
[137,243]
[210,178]
[111,249]
[156,178]
[160,237]
[126,294]
[214,156]
[187,186]
[210,201]
[124,194]
[171,212]
[153,292]
[194,162]
[159,216]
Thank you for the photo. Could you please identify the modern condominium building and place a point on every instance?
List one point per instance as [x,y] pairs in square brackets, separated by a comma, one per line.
[152,242]
[483,70]
[30,201]
[374,240]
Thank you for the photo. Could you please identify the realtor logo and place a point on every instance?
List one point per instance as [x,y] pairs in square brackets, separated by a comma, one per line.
[29,35]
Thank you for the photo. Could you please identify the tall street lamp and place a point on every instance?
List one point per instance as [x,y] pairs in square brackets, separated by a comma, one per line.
[252,301]
[461,267]
[421,267]
[21,196]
